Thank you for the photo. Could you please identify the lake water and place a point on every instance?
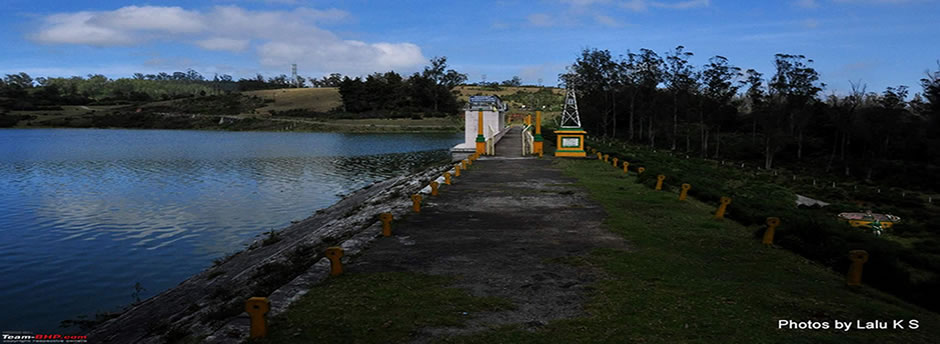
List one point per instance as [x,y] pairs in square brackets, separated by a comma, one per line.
[86,214]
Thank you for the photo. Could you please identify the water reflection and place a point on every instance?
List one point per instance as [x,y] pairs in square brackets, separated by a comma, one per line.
[85,214]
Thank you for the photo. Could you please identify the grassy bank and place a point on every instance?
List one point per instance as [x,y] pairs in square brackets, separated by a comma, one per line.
[687,278]
[904,262]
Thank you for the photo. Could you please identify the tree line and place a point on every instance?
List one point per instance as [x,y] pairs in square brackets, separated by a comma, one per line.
[429,91]
[719,110]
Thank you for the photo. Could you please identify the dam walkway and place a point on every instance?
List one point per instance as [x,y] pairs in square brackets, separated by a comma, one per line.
[498,229]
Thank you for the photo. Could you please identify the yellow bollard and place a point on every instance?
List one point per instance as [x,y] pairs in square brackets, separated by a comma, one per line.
[684,192]
[457,171]
[659,182]
[606,156]
[464,163]
[772,223]
[433,188]
[257,307]
[416,206]
[447,178]
[386,219]
[600,156]
[334,254]
[725,201]
[615,162]
[626,166]
[858,258]
[640,170]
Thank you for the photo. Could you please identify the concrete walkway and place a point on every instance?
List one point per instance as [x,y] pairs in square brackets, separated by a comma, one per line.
[498,229]
[511,144]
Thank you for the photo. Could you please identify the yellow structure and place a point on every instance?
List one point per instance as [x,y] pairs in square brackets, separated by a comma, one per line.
[858,258]
[626,166]
[481,141]
[433,188]
[457,171]
[685,191]
[772,223]
[640,170]
[615,162]
[606,157]
[659,182]
[600,156]
[537,142]
[570,142]
[386,219]
[416,203]
[447,178]
[335,253]
[257,307]
[720,214]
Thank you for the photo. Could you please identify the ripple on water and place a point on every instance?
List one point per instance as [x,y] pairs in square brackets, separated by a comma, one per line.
[89,213]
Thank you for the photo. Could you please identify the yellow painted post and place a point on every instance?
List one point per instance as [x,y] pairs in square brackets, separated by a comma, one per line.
[606,157]
[537,139]
[464,164]
[626,166]
[600,156]
[772,223]
[386,219]
[481,140]
[640,170]
[725,201]
[257,307]
[615,162]
[684,192]
[416,203]
[858,258]
[457,171]
[659,182]
[447,178]
[336,265]
[433,188]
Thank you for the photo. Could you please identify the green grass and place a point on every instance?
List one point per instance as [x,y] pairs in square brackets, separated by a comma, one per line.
[691,279]
[376,308]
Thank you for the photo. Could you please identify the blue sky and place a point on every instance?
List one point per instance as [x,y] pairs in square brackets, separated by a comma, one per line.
[878,42]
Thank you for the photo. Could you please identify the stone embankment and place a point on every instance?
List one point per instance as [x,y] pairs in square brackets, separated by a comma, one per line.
[282,266]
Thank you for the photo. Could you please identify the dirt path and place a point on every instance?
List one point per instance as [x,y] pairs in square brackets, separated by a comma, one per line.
[500,229]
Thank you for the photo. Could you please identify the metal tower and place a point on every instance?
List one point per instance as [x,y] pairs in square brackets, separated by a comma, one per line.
[293,74]
[570,117]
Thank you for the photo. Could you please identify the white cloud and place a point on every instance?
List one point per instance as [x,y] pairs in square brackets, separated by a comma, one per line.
[607,20]
[223,44]
[540,19]
[635,5]
[643,5]
[279,37]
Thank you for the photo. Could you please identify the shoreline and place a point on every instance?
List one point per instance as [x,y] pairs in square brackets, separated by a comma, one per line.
[213,299]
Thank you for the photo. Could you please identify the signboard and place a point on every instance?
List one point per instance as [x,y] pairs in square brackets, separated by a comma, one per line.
[570,142]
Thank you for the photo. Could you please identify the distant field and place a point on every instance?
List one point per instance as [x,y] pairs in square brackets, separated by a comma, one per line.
[468,90]
[316,99]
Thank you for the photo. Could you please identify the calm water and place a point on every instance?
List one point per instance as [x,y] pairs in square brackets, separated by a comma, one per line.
[86,214]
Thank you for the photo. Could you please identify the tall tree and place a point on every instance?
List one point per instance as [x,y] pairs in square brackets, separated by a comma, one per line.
[679,80]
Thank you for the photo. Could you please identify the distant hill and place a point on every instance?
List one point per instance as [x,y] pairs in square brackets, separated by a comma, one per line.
[321,99]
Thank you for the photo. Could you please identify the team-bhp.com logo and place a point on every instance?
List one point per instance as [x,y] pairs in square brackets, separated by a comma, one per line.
[27,337]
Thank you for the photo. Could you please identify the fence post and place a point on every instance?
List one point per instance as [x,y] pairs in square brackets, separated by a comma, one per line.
[386,219]
[720,214]
[772,223]
[858,258]
[659,182]
[416,203]
[336,265]
[257,307]
[685,191]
